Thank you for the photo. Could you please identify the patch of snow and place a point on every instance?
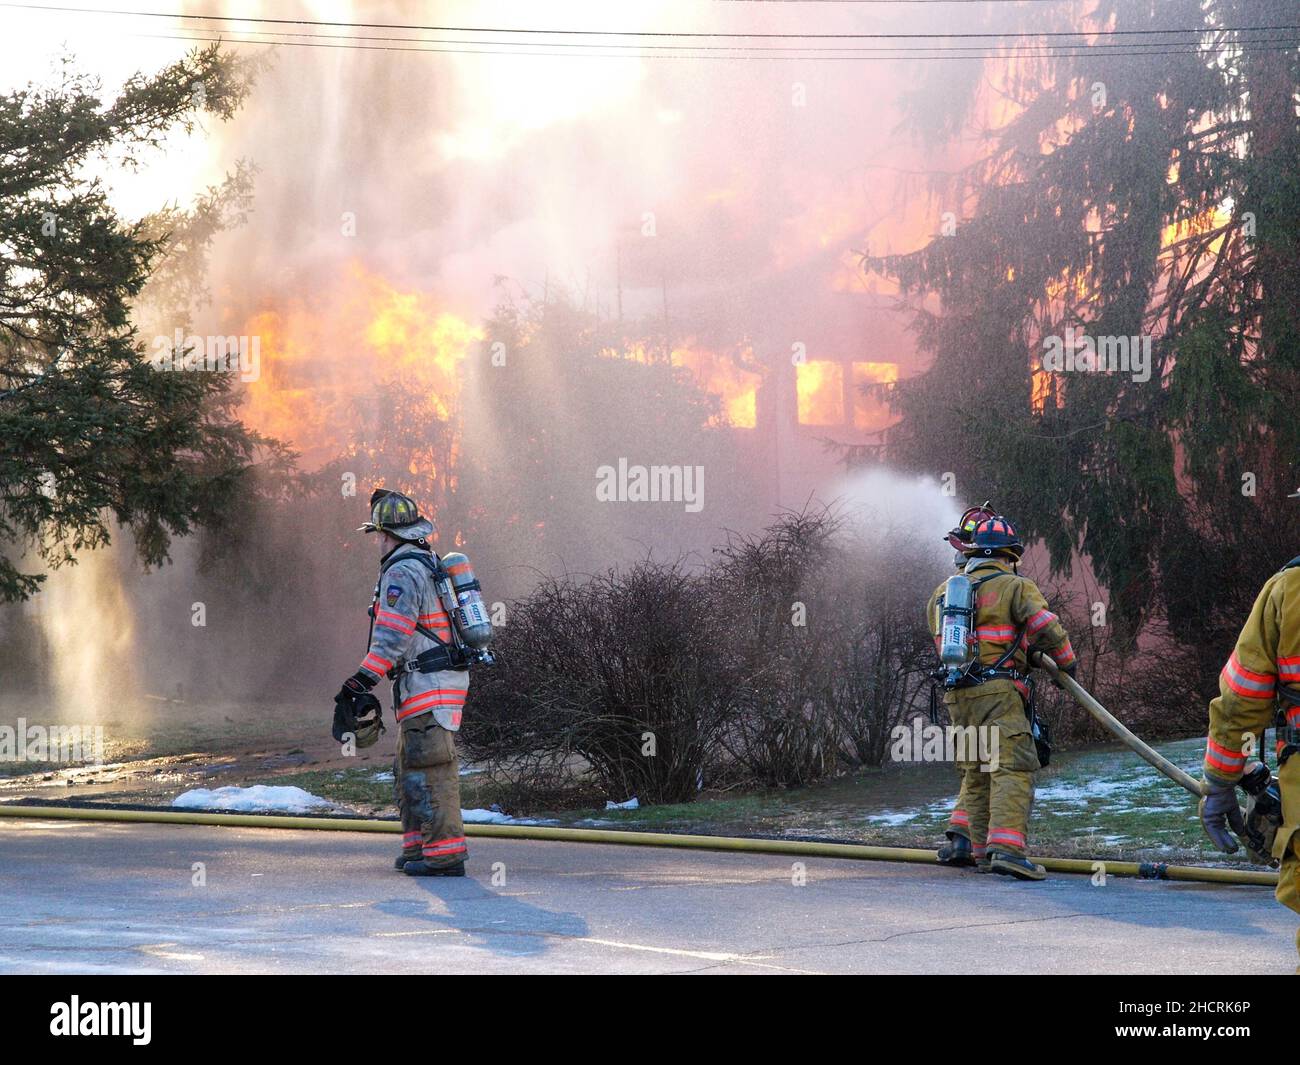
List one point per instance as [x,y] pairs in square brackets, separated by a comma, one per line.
[631,804]
[260,798]
[263,799]
[496,816]
[1079,794]
[384,776]
[891,817]
[486,817]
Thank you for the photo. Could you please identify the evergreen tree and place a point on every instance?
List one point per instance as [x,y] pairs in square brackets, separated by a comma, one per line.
[90,431]
[1145,187]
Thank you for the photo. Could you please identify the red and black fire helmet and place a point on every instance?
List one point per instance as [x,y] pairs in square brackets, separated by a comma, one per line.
[995,536]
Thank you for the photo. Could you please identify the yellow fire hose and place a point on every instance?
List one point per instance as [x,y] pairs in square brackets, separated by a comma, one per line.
[789,848]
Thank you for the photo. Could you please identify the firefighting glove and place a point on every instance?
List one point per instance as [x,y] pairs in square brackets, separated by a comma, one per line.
[1069,671]
[357,684]
[1219,812]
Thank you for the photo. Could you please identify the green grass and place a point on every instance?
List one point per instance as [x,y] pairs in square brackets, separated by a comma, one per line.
[356,787]
[361,788]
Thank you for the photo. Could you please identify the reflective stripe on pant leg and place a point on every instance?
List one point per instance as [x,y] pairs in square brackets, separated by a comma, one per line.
[444,848]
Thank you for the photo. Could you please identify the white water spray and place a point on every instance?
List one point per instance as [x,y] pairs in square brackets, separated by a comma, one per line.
[882,503]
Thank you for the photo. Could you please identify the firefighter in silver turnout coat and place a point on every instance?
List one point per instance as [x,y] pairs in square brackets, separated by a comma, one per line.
[411,636]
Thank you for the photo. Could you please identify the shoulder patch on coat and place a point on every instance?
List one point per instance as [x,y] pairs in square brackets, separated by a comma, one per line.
[393,594]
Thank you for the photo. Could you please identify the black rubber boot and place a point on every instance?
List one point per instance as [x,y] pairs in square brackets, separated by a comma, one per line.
[956,852]
[404,857]
[1014,865]
[423,868]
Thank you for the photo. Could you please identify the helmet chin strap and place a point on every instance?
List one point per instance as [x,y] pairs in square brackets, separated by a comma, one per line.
[421,542]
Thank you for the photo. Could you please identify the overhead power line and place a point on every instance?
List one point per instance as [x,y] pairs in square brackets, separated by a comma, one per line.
[678,34]
[1064,49]
[560,50]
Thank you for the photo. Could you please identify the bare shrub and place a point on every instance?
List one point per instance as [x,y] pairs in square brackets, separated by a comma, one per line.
[828,625]
[770,588]
[624,674]
[882,643]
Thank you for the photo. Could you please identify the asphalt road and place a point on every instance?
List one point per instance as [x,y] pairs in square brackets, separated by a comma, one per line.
[128,898]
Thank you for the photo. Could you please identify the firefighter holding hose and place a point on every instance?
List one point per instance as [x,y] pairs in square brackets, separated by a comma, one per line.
[427,625]
[1258,687]
[1003,617]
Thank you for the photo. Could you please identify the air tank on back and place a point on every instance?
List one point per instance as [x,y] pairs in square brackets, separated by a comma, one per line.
[470,614]
[956,611]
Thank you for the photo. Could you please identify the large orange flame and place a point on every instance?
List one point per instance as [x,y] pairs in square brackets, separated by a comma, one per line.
[736,387]
[321,353]
[722,374]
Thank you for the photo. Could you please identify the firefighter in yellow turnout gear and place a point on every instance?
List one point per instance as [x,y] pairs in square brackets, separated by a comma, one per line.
[989,826]
[1259,687]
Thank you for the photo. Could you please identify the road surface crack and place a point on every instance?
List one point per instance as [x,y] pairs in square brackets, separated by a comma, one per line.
[964,927]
